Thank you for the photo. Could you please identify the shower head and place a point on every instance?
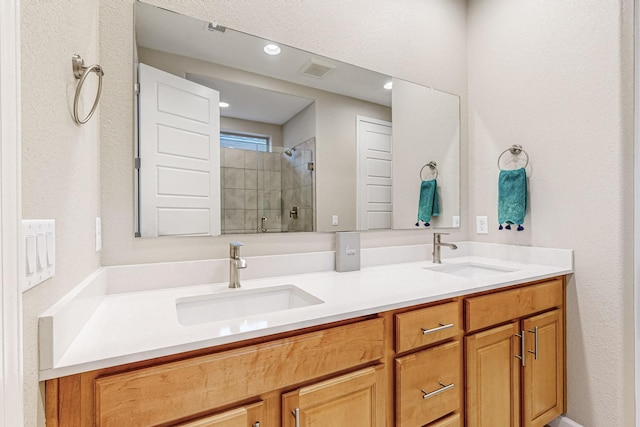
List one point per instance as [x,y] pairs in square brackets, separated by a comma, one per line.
[289,152]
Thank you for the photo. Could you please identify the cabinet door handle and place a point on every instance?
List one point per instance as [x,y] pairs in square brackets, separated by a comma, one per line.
[439,328]
[522,351]
[535,338]
[256,424]
[444,388]
[296,415]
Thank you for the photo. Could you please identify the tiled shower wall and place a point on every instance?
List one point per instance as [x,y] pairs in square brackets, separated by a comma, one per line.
[251,188]
[298,187]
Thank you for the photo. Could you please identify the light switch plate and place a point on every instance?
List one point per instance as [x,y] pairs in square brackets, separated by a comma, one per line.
[39,237]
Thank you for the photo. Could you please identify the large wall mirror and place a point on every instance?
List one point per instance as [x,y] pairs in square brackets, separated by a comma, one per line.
[237,134]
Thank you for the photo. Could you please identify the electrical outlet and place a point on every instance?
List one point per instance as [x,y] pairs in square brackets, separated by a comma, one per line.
[482,226]
[455,222]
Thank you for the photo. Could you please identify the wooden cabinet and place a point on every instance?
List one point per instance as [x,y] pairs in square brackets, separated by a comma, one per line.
[516,372]
[428,384]
[493,377]
[543,379]
[211,389]
[245,416]
[428,381]
[409,367]
[355,400]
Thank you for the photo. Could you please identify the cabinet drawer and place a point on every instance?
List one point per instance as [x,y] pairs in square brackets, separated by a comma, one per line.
[428,385]
[426,326]
[502,306]
[177,390]
[451,421]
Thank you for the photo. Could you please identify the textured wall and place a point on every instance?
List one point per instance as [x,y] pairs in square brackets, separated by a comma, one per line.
[557,78]
[60,160]
[421,41]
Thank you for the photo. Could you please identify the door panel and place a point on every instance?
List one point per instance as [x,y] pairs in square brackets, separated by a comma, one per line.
[543,376]
[374,174]
[354,400]
[179,150]
[493,377]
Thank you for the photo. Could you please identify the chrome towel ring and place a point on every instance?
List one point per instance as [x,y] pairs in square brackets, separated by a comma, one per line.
[515,149]
[81,72]
[433,167]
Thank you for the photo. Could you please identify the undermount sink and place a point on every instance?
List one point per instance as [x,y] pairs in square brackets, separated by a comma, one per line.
[238,303]
[471,270]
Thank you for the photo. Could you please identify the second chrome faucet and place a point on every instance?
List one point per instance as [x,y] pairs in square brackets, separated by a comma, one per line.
[235,263]
[437,244]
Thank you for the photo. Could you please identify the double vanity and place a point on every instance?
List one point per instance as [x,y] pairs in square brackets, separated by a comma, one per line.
[477,340]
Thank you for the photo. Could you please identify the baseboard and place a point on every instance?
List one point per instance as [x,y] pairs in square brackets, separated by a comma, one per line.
[563,421]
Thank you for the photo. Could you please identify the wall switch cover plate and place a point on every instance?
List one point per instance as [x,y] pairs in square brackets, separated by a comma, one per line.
[39,237]
[347,251]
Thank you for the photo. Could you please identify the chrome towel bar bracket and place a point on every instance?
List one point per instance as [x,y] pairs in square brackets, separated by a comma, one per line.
[433,167]
[516,150]
[81,72]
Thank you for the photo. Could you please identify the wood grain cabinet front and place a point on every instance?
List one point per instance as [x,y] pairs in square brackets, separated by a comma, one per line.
[354,400]
[426,326]
[244,416]
[193,388]
[515,372]
[428,384]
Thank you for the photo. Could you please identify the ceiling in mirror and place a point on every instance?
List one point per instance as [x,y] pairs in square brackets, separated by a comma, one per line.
[199,39]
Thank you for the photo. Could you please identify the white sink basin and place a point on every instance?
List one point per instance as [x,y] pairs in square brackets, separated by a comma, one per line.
[238,303]
[471,270]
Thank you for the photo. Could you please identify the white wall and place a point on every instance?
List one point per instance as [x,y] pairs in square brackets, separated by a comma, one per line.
[435,56]
[556,77]
[60,160]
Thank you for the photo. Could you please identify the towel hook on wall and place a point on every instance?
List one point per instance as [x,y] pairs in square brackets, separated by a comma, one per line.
[433,167]
[81,72]
[516,150]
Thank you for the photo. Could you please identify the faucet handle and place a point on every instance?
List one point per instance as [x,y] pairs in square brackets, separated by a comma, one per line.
[440,233]
[234,249]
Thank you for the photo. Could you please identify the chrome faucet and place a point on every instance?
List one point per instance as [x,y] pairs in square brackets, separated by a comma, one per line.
[235,263]
[437,244]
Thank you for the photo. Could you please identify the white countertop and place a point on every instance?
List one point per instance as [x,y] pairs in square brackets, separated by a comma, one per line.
[128,327]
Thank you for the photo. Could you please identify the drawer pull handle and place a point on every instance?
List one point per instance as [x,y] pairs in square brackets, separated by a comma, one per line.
[296,414]
[256,424]
[535,338]
[439,328]
[444,388]
[522,351]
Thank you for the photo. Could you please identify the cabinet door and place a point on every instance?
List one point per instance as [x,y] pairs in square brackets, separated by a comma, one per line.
[354,400]
[493,377]
[246,416]
[543,380]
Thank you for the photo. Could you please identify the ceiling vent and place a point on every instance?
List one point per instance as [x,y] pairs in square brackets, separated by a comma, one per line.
[215,27]
[314,68]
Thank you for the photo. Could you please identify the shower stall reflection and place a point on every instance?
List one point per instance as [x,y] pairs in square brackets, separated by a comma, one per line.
[268,192]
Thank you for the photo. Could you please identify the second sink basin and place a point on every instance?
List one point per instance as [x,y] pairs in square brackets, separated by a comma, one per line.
[239,303]
[471,270]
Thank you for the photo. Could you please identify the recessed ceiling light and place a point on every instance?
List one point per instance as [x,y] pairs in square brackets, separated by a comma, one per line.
[223,104]
[272,49]
[388,85]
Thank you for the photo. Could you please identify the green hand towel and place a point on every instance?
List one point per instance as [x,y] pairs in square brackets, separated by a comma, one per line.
[512,198]
[428,204]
